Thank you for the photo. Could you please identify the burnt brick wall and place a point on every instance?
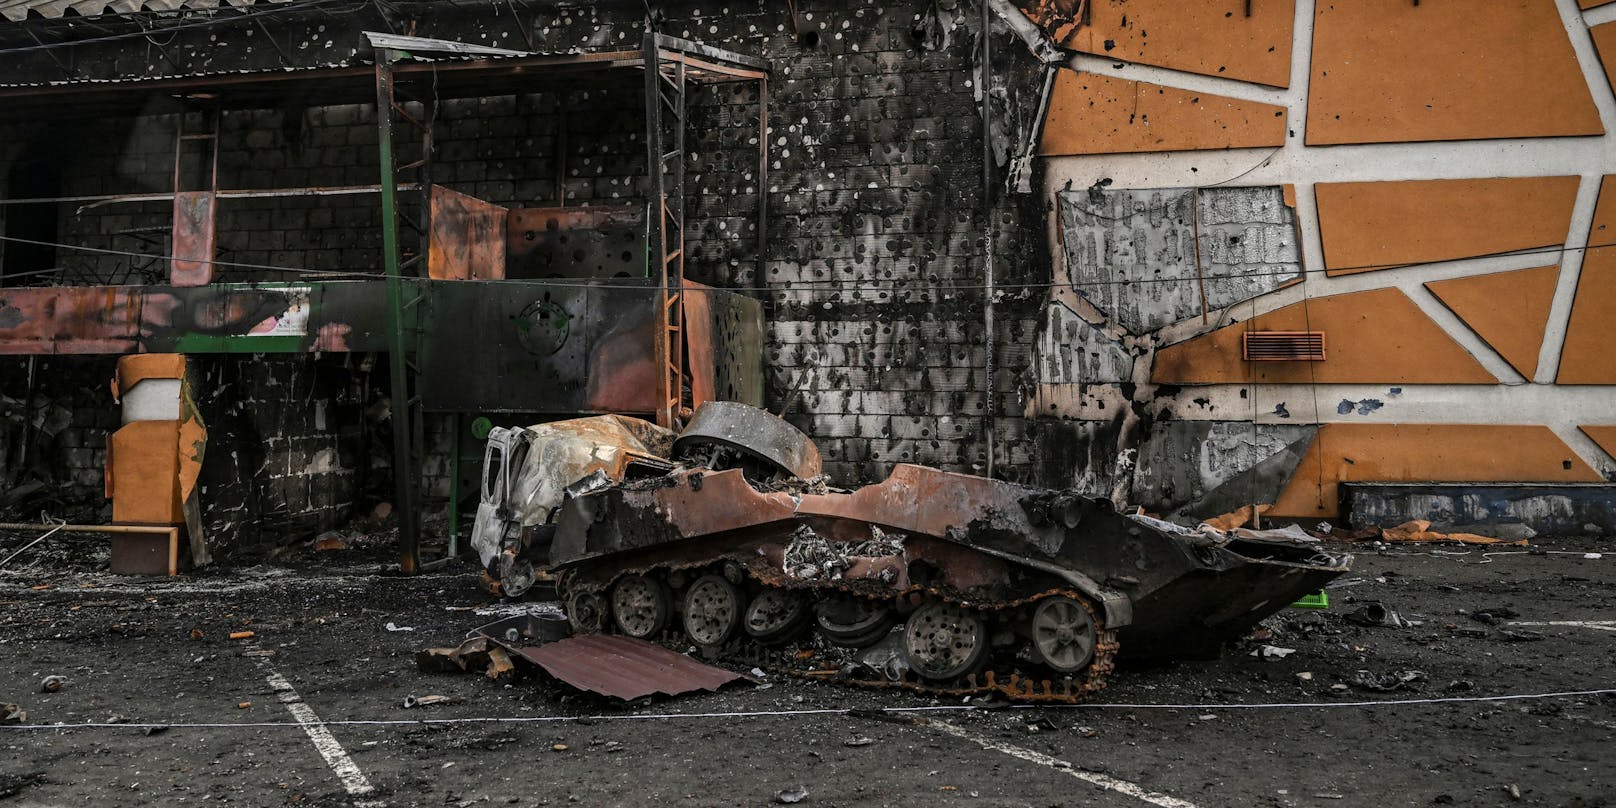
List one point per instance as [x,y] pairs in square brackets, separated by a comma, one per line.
[288,445]
[872,279]
[286,453]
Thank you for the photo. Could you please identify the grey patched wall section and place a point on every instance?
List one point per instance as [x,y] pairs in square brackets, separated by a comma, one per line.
[1135,254]
[1138,260]
[1072,350]
[1195,466]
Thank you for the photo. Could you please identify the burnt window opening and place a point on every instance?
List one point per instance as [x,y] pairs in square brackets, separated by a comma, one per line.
[36,175]
[1282,346]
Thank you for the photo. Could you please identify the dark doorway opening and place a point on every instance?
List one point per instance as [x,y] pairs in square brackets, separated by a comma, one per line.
[36,174]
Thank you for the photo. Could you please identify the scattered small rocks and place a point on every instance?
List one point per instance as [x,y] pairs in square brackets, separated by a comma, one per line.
[1382,683]
[1493,615]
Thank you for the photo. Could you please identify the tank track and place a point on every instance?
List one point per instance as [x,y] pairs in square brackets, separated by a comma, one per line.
[1004,675]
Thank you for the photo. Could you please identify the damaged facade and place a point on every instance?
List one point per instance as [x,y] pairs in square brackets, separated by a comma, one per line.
[1298,246]
[1072,301]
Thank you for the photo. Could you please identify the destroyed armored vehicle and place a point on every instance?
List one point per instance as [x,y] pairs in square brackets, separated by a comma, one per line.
[929,580]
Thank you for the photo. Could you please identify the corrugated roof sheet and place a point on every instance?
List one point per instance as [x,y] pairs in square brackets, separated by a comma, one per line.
[625,668]
[18,10]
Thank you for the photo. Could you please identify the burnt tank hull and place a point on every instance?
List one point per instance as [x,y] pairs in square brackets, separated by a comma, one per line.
[974,542]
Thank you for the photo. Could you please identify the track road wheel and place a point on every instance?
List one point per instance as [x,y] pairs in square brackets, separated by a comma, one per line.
[586,610]
[775,614]
[853,622]
[1063,633]
[712,610]
[944,642]
[642,606]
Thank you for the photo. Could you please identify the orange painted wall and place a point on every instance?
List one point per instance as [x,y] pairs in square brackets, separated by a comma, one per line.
[1370,337]
[1367,226]
[1092,114]
[1211,37]
[143,476]
[1605,44]
[1605,436]
[1589,353]
[1423,453]
[1507,309]
[1390,71]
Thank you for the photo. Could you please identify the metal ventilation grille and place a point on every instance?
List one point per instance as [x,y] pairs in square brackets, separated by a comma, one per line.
[1283,346]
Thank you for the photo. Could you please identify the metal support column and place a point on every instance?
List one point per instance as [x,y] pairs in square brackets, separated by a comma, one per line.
[990,399]
[665,219]
[406,486]
[763,181]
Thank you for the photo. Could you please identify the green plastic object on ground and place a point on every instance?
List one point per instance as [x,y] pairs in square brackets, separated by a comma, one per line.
[1317,600]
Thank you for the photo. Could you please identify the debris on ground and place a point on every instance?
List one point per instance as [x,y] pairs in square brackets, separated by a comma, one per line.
[329,541]
[1376,614]
[52,684]
[1287,533]
[412,701]
[625,668]
[1239,517]
[475,654]
[1493,615]
[1419,530]
[12,714]
[1272,652]
[791,796]
[1387,682]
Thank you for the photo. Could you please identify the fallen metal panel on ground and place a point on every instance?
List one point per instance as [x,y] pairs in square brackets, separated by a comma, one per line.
[625,668]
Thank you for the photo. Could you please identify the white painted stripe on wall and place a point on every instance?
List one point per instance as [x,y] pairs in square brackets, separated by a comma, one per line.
[1600,15]
[1568,405]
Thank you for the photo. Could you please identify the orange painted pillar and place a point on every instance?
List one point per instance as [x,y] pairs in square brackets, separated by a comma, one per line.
[153,462]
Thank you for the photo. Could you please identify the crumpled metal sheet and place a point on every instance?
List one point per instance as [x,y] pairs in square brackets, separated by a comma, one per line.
[753,431]
[18,10]
[625,668]
[564,452]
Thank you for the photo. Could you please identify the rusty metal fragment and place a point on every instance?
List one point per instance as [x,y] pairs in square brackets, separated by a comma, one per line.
[577,242]
[728,425]
[625,668]
[195,238]
[468,237]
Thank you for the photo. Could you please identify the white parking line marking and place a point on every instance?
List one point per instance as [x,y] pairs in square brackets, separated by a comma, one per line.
[1597,625]
[1103,781]
[353,780]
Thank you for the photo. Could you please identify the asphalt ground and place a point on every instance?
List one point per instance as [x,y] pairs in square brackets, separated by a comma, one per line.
[308,711]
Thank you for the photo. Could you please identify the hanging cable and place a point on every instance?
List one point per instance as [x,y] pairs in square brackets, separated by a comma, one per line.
[895,285]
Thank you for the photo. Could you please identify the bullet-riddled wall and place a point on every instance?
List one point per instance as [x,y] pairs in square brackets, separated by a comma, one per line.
[878,228]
